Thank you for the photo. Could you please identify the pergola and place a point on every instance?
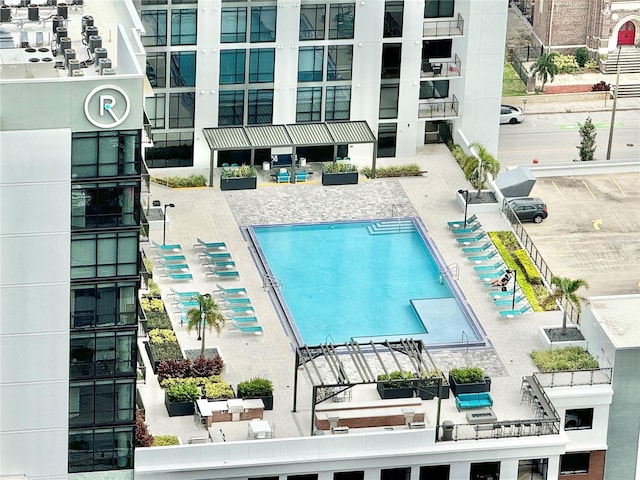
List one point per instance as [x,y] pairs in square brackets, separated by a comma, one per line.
[335,368]
[289,135]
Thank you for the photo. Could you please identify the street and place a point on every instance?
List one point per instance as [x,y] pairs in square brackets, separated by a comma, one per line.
[552,138]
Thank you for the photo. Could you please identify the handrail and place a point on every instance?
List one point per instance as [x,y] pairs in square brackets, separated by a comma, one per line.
[464,334]
[452,270]
[270,281]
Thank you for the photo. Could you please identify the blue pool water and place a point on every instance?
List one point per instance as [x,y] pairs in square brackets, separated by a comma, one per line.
[340,282]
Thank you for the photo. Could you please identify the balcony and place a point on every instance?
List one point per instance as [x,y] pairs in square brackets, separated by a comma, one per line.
[431,69]
[439,109]
[443,28]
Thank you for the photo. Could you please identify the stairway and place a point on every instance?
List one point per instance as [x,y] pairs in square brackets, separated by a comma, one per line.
[629,90]
[391,226]
[629,61]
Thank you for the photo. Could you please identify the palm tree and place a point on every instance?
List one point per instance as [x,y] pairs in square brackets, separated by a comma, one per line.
[544,68]
[565,289]
[477,171]
[207,315]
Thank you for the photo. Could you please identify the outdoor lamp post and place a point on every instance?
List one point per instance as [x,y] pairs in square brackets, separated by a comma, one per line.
[466,202]
[164,222]
[515,283]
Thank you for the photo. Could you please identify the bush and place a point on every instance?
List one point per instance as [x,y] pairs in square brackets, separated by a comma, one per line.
[154,289]
[206,367]
[394,379]
[158,336]
[459,154]
[165,441]
[243,171]
[183,392]
[142,436]
[181,182]
[565,63]
[218,390]
[166,351]
[563,359]
[152,304]
[527,266]
[339,167]
[411,170]
[174,368]
[158,320]
[601,86]
[467,375]
[582,56]
[591,65]
[184,368]
[256,387]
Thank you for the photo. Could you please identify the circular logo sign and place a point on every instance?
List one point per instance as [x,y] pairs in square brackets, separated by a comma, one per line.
[107,106]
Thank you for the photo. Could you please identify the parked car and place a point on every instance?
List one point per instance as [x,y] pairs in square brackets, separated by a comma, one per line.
[529,209]
[511,114]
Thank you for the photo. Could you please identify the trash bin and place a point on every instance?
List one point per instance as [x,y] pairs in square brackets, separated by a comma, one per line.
[303,162]
[266,166]
[447,431]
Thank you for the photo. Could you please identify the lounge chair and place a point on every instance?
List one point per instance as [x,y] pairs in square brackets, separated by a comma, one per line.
[283,177]
[460,223]
[209,245]
[171,258]
[239,309]
[215,256]
[219,266]
[245,319]
[236,300]
[174,247]
[173,266]
[240,291]
[508,301]
[177,275]
[482,258]
[177,294]
[492,275]
[187,305]
[257,329]
[466,240]
[485,268]
[301,176]
[479,249]
[503,293]
[464,231]
[223,273]
[514,313]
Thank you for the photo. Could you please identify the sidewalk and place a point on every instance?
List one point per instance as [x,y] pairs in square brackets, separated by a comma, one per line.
[571,102]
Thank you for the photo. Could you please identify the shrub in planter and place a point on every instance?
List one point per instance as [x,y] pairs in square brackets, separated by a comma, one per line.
[238,178]
[395,385]
[150,304]
[339,173]
[564,359]
[257,387]
[206,367]
[201,367]
[339,167]
[142,436]
[218,390]
[187,391]
[158,320]
[427,387]
[174,368]
[165,440]
[468,380]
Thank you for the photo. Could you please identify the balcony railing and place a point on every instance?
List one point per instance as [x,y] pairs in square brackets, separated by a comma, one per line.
[443,28]
[434,69]
[439,109]
[503,429]
[599,376]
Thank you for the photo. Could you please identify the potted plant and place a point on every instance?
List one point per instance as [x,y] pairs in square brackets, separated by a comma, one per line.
[218,390]
[396,384]
[339,173]
[468,380]
[257,387]
[179,398]
[244,177]
[162,345]
[427,386]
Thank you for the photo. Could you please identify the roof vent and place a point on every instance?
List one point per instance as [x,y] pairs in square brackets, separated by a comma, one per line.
[73,64]
[34,13]
[56,21]
[103,63]
[95,41]
[78,73]
[34,60]
[47,59]
[63,10]
[5,13]
[108,71]
[87,21]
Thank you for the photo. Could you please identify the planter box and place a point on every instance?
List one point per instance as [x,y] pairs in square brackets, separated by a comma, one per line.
[547,343]
[154,363]
[458,388]
[394,392]
[350,178]
[238,183]
[267,400]
[178,409]
[429,390]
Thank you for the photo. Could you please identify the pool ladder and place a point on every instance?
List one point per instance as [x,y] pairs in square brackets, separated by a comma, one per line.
[452,270]
[269,281]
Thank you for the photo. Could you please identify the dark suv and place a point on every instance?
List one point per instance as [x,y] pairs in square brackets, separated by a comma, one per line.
[529,209]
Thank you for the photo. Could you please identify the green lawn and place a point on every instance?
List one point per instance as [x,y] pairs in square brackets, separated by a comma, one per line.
[511,84]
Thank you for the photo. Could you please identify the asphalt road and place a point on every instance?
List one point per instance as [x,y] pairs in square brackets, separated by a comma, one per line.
[552,138]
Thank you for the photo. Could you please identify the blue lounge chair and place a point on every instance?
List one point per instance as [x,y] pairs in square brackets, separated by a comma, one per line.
[514,313]
[187,305]
[209,245]
[174,247]
[219,266]
[215,256]
[240,291]
[178,275]
[223,273]
[256,329]
[479,249]
[508,301]
[492,275]
[485,268]
[482,258]
[460,223]
[245,319]
[499,294]
[464,231]
[174,267]
[236,300]
[171,258]
[475,239]
[283,177]
[185,295]
[301,176]
[239,309]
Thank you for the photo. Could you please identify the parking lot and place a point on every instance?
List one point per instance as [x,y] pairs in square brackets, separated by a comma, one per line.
[593,230]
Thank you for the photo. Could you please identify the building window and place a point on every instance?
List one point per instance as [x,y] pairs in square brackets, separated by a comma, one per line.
[260,107]
[103,354]
[263,24]
[310,61]
[261,65]
[105,154]
[395,473]
[572,463]
[155,2]
[578,419]
[231,107]
[174,149]
[155,27]
[357,475]
[308,476]
[99,255]
[157,69]
[339,62]
[155,110]
[184,24]
[309,104]
[341,20]
[103,305]
[393,13]
[182,110]
[183,69]
[103,205]
[387,138]
[391,56]
[484,470]
[439,8]
[436,89]
[233,25]
[337,103]
[436,49]
[232,66]
[389,100]
[435,472]
[312,22]
[101,449]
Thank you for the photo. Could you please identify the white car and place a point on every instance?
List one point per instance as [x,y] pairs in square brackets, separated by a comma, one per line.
[511,114]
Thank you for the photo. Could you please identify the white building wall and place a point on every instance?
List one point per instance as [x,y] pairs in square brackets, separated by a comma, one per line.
[35,175]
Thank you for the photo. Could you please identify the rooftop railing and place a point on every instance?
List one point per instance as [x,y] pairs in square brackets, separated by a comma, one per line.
[443,28]
[503,429]
[598,376]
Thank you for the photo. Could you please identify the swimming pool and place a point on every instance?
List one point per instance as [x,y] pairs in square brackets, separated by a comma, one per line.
[364,280]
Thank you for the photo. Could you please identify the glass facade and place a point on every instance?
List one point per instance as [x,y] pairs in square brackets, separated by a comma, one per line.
[312,22]
[155,27]
[391,58]
[387,138]
[338,103]
[233,25]
[341,21]
[260,107]
[310,60]
[263,24]
[231,107]
[184,26]
[309,104]
[232,66]
[157,69]
[393,16]
[389,100]
[155,109]
[438,8]
[434,89]
[170,149]
[339,62]
[105,154]
[183,69]
[182,110]
[261,65]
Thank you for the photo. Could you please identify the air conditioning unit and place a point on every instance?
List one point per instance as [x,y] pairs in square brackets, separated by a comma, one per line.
[337,430]
[414,425]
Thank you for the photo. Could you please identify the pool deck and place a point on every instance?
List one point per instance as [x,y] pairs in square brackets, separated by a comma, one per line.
[213,215]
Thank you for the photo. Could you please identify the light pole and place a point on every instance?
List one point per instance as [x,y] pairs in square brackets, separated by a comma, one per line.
[466,202]
[515,283]
[613,108]
[164,221]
